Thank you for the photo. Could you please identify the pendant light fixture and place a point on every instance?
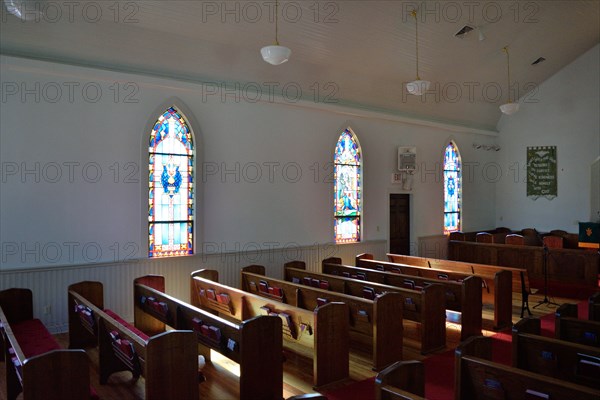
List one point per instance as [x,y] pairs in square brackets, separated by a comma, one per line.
[510,107]
[276,54]
[27,10]
[418,86]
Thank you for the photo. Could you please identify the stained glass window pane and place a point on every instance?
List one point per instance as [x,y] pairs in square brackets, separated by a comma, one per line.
[452,188]
[171,184]
[347,230]
[347,188]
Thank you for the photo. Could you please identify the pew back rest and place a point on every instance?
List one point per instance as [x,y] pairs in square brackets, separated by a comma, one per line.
[414,300]
[401,380]
[247,305]
[478,378]
[453,289]
[482,270]
[309,298]
[563,360]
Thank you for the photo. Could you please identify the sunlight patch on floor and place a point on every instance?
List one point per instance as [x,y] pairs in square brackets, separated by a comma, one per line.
[225,362]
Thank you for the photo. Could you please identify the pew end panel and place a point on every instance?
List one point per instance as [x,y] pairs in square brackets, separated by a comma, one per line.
[478,346]
[471,306]
[528,325]
[433,318]
[92,292]
[170,372]
[565,310]
[332,341]
[57,375]
[388,330]
[17,304]
[594,307]
[261,340]
[503,300]
[401,380]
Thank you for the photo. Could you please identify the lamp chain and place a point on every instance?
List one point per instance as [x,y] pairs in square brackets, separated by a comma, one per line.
[414,14]
[508,70]
[276,24]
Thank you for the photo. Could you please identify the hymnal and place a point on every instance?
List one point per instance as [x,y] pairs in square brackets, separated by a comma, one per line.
[368,293]
[214,333]
[263,286]
[210,293]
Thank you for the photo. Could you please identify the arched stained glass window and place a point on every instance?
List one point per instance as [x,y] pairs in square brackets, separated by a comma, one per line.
[452,188]
[171,187]
[347,185]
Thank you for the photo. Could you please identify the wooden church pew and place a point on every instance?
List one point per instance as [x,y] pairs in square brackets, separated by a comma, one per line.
[255,344]
[322,335]
[425,306]
[560,359]
[403,380]
[35,364]
[374,324]
[569,327]
[460,297]
[519,278]
[167,360]
[496,285]
[478,378]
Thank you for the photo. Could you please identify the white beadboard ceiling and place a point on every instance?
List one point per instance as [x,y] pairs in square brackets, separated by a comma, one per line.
[358,52]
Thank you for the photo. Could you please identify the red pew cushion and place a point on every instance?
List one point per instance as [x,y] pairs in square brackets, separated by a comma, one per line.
[127,324]
[34,338]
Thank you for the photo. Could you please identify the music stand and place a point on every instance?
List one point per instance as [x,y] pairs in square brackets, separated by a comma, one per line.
[545,268]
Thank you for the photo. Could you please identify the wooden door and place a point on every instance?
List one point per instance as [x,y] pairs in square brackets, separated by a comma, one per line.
[399,224]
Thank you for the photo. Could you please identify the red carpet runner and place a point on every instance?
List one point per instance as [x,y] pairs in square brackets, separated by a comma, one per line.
[439,368]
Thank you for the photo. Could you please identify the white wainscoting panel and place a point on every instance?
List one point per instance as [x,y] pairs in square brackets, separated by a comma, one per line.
[49,285]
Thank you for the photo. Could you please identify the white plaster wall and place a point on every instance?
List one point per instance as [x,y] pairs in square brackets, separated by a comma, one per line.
[82,217]
[565,116]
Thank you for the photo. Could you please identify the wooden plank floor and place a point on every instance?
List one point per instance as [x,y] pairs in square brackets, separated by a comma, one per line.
[221,382]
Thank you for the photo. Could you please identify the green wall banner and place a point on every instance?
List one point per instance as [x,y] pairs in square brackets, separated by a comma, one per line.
[541,172]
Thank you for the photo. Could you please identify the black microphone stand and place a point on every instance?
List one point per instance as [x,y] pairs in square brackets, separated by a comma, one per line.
[545,267]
